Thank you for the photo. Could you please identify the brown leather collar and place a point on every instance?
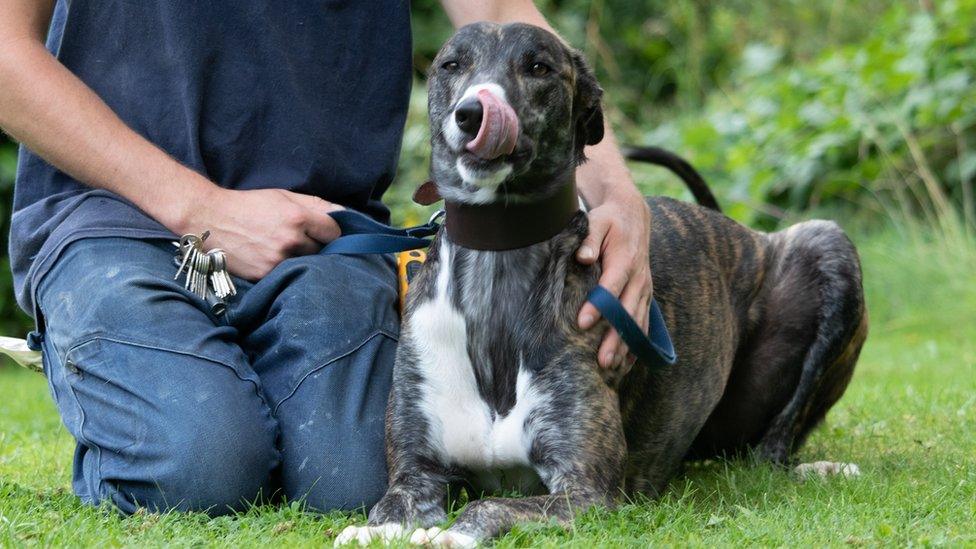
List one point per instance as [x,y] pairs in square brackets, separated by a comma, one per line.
[506,226]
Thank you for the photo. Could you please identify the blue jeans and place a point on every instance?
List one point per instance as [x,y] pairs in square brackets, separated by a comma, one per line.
[174,408]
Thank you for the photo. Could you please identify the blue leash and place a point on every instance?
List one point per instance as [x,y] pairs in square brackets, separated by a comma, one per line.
[362,235]
[656,350]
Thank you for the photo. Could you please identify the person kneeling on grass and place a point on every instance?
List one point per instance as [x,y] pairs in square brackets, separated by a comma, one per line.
[252,120]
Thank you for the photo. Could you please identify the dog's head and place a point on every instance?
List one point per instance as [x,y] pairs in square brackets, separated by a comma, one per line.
[511,108]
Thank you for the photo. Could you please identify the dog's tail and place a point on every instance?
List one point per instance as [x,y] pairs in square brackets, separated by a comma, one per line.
[661,157]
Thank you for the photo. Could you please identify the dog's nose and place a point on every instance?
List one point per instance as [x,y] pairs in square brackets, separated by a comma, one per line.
[468,116]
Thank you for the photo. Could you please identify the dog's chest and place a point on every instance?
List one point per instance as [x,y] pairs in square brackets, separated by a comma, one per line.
[464,427]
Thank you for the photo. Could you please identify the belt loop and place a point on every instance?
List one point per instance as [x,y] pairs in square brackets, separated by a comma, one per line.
[36,336]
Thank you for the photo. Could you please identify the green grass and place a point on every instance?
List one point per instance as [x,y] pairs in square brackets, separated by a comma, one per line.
[908,419]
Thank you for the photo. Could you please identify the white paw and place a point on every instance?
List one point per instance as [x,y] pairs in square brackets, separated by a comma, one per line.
[825,469]
[422,536]
[364,535]
[436,537]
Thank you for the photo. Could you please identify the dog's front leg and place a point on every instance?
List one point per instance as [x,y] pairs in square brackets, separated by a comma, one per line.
[411,502]
[418,481]
[407,505]
[489,518]
[579,453]
[414,500]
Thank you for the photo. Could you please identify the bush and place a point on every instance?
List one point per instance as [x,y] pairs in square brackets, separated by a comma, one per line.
[652,53]
[892,118]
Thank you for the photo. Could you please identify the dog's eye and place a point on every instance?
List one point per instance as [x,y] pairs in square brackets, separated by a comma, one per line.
[540,69]
[450,66]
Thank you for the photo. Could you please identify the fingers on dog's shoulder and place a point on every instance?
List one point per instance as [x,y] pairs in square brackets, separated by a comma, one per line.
[589,250]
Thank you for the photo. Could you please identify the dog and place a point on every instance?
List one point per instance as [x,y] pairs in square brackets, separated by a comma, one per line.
[496,385]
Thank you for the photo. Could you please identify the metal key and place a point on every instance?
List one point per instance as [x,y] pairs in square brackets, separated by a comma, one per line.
[199,271]
[184,252]
[187,248]
[220,279]
[194,262]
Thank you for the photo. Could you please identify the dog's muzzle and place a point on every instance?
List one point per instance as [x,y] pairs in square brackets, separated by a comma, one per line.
[490,122]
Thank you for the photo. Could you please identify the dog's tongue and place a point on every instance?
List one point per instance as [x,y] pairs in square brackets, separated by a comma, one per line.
[499,128]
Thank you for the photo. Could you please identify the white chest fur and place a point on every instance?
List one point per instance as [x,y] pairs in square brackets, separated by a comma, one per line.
[462,427]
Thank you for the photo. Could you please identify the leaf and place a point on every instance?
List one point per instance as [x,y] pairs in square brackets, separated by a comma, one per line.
[760,59]
[816,113]
[962,169]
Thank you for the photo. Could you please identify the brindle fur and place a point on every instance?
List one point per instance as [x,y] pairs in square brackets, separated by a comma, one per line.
[767,327]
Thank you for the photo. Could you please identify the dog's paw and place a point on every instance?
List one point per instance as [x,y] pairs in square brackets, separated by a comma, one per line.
[364,535]
[824,469]
[435,537]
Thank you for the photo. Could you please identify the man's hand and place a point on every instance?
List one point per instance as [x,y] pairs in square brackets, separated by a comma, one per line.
[620,234]
[259,229]
[619,238]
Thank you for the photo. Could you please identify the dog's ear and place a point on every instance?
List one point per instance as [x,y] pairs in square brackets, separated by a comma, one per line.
[587,109]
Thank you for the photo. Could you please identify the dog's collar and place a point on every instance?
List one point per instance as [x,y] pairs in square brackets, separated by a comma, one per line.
[498,226]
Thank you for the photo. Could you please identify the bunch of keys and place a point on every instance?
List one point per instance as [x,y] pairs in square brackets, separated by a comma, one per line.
[206,272]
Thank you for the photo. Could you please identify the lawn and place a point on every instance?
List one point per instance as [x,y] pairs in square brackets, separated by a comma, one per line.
[908,420]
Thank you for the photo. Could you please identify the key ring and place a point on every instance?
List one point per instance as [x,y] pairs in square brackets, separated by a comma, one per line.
[206,271]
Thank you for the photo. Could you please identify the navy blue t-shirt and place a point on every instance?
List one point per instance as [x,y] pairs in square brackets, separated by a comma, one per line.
[309,96]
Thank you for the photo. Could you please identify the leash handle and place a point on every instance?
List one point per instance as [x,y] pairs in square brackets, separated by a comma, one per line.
[363,235]
[656,349]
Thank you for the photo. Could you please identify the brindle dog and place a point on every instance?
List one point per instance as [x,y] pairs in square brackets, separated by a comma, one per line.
[496,385]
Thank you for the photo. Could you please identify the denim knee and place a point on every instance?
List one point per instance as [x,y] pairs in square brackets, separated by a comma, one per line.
[162,429]
[219,470]
[166,410]
[359,490]
[332,430]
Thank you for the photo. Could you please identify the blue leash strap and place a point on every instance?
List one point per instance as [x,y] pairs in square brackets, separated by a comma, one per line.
[656,350]
[363,235]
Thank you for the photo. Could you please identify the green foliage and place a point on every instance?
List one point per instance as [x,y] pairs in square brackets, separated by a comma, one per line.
[893,117]
[650,53]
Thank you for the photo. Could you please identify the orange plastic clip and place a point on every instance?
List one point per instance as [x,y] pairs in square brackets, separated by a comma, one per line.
[408,265]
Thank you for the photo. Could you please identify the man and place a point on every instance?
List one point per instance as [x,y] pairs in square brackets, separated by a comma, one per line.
[252,120]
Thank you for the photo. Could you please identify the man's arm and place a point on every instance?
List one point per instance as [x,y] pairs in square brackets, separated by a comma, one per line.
[52,112]
[619,217]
